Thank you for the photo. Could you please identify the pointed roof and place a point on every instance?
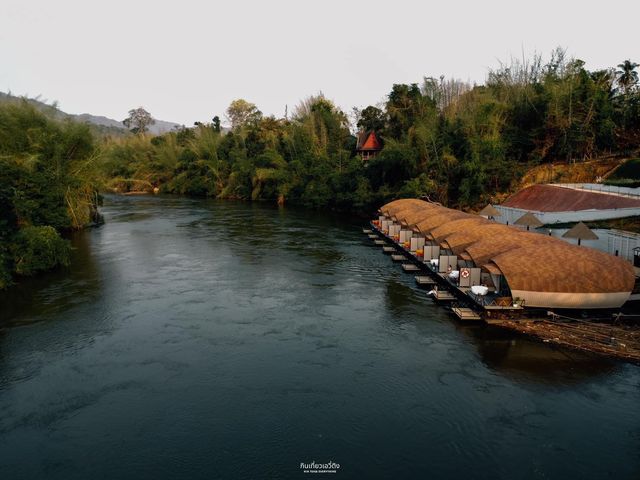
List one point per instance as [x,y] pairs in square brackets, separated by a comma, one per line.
[580,231]
[368,141]
[490,211]
[528,220]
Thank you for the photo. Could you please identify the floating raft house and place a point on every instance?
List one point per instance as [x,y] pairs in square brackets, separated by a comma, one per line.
[496,266]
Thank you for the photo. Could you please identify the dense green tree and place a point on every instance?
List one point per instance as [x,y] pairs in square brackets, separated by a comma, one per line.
[241,113]
[371,119]
[47,186]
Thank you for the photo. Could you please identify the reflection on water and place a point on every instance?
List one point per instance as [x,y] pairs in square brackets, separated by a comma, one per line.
[36,298]
[528,360]
[205,339]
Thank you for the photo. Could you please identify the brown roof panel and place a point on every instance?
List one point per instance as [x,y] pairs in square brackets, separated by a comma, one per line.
[443,216]
[550,198]
[564,268]
[397,205]
[454,226]
[459,241]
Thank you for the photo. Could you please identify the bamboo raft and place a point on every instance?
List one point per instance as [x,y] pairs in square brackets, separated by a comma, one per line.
[617,341]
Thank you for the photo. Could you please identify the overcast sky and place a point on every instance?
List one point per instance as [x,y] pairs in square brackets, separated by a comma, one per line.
[187,60]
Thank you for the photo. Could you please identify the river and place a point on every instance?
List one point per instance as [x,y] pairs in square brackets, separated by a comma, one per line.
[202,339]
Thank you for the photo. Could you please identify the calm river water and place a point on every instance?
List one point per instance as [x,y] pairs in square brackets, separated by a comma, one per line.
[199,339]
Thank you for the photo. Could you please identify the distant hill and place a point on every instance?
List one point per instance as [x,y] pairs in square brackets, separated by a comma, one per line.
[104,126]
[158,128]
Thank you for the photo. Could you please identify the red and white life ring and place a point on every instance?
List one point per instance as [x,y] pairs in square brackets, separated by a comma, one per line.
[465,273]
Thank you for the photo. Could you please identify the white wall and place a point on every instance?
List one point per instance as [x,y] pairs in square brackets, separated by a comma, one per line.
[510,214]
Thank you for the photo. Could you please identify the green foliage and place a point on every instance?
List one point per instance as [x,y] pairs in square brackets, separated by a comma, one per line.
[241,113]
[371,119]
[5,268]
[47,183]
[37,249]
[446,139]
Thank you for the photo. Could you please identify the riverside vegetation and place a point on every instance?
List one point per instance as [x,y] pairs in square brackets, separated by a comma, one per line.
[453,142]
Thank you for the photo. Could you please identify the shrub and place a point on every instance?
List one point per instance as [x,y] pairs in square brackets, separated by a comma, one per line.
[39,248]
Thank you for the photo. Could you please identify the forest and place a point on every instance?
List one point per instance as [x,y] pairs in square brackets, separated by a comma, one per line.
[443,139]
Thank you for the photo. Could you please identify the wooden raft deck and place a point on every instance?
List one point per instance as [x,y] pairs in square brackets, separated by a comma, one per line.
[443,295]
[388,249]
[464,313]
[409,267]
[373,236]
[379,242]
[398,257]
[424,280]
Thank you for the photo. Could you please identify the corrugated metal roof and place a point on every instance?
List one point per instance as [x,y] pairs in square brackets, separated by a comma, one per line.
[550,198]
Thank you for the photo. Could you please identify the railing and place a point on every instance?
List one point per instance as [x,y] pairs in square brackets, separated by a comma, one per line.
[602,188]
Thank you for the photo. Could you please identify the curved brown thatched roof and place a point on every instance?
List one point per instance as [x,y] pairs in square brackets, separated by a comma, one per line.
[408,210]
[484,249]
[458,241]
[418,214]
[564,269]
[439,218]
[454,226]
[392,207]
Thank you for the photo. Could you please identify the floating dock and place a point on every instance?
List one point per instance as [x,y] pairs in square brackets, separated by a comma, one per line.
[410,267]
[389,249]
[373,236]
[398,257]
[443,295]
[424,280]
[617,341]
[466,314]
[367,230]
